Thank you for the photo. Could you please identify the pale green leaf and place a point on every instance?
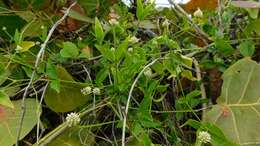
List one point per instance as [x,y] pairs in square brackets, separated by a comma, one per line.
[24,46]
[237,113]
[10,119]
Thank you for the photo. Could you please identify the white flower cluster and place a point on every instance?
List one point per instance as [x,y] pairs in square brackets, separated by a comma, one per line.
[72,119]
[204,137]
[96,91]
[88,90]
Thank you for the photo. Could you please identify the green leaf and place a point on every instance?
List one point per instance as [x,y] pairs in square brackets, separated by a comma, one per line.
[51,70]
[224,47]
[238,108]
[10,119]
[55,84]
[253,13]
[75,15]
[106,51]
[26,15]
[33,29]
[99,31]
[69,50]
[140,10]
[142,140]
[247,48]
[5,100]
[188,74]
[119,52]
[101,76]
[4,73]
[253,26]
[24,46]
[69,97]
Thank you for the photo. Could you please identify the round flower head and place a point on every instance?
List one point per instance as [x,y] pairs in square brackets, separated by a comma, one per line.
[204,137]
[72,119]
[86,90]
[96,91]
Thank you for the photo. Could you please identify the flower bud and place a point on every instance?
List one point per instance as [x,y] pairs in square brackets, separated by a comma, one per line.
[42,27]
[148,73]
[113,49]
[4,28]
[130,49]
[198,13]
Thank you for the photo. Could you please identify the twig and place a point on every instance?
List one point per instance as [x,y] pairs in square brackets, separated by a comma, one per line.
[202,88]
[37,62]
[129,98]
[38,111]
[197,29]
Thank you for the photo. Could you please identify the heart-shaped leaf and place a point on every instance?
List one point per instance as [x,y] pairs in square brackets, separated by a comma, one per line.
[69,96]
[237,113]
[10,119]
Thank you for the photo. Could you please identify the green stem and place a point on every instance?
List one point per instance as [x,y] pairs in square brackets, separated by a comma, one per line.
[198,143]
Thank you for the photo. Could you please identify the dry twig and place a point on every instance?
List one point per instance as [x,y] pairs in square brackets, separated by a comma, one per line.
[37,62]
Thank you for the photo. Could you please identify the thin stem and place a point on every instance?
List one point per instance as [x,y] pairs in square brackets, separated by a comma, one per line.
[129,98]
[202,88]
[37,62]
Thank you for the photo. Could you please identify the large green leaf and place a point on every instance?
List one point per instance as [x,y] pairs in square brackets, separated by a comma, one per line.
[10,119]
[238,110]
[69,96]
